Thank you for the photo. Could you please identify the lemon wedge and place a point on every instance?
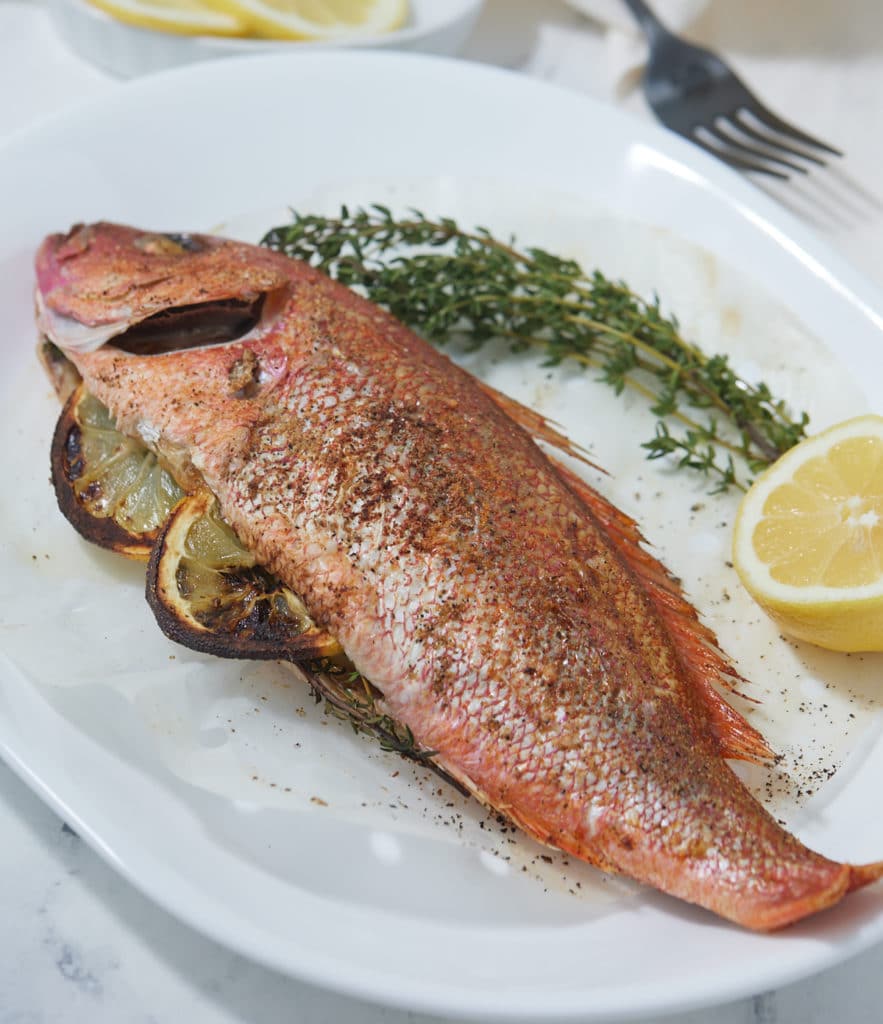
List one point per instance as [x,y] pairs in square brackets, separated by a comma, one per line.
[183,17]
[808,540]
[327,20]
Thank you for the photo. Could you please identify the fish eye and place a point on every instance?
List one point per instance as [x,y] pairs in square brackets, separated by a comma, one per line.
[189,243]
[170,243]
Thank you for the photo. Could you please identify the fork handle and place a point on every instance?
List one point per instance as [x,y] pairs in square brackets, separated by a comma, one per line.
[652,26]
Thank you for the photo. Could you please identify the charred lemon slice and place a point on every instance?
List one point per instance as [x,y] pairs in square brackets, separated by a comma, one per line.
[208,593]
[111,488]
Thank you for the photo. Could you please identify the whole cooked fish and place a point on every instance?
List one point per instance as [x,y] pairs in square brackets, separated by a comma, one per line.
[506,612]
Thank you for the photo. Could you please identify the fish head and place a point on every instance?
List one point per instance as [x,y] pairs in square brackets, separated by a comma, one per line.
[162,291]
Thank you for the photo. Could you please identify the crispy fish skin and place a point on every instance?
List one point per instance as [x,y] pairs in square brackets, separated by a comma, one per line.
[501,607]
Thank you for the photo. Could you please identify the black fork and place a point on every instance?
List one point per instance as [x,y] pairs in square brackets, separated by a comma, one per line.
[694,93]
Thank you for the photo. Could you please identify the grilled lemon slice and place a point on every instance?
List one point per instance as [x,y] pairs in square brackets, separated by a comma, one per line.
[208,593]
[111,488]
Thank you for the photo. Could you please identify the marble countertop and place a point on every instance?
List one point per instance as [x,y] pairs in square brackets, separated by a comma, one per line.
[80,945]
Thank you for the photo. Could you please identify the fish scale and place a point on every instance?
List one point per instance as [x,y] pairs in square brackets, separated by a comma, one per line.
[505,611]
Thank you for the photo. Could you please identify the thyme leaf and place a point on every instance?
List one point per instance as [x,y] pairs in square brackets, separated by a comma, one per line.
[447,283]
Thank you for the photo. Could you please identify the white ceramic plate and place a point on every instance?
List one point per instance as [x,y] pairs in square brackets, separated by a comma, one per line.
[126,50]
[289,839]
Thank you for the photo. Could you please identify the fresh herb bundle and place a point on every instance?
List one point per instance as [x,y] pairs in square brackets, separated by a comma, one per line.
[446,282]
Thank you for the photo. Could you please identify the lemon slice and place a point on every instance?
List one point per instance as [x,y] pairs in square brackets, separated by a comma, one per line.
[183,17]
[110,487]
[328,20]
[808,541]
[208,593]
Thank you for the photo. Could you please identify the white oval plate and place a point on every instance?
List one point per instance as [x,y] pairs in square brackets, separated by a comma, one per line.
[289,839]
[127,51]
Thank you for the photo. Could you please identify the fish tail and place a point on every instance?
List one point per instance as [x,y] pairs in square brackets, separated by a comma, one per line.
[861,875]
[844,878]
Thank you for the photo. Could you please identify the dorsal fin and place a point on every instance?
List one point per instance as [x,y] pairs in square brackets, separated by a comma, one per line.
[702,659]
[537,425]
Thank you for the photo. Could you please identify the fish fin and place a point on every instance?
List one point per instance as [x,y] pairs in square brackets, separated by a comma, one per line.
[696,644]
[537,425]
[527,822]
[864,874]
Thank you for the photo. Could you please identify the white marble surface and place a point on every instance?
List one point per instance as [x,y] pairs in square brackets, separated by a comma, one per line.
[79,945]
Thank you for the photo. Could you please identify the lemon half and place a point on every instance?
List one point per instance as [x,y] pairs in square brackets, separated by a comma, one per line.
[808,541]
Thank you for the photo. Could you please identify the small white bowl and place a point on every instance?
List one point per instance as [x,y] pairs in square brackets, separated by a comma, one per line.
[127,51]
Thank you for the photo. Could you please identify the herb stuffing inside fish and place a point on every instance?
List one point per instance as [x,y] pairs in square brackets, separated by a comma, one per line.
[506,611]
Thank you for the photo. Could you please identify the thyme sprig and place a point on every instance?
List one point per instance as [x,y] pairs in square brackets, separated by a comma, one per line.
[350,697]
[449,283]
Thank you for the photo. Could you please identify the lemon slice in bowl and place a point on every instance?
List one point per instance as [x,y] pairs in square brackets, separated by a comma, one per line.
[182,17]
[808,541]
[326,20]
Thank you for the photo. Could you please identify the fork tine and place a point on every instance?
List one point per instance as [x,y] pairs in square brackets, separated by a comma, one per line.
[735,161]
[741,125]
[769,120]
[744,152]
